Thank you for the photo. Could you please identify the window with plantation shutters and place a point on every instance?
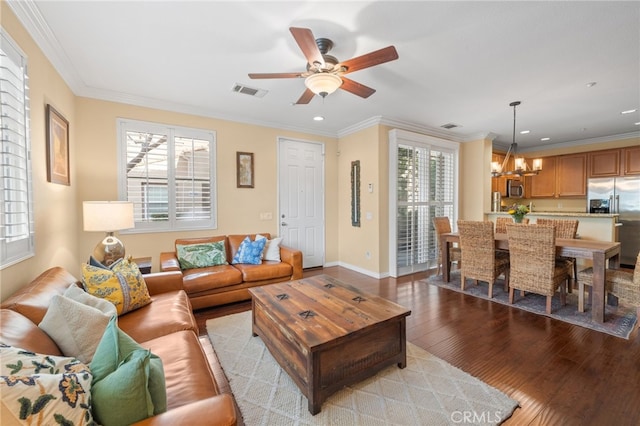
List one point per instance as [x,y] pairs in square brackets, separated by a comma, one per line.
[168,173]
[16,196]
[422,186]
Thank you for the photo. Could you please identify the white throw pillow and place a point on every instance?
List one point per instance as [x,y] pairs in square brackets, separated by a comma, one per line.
[76,328]
[271,248]
[79,295]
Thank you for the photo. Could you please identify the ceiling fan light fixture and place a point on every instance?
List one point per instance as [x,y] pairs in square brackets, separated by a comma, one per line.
[323,84]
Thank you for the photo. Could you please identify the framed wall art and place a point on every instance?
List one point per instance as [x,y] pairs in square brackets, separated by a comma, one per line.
[355,193]
[244,169]
[57,148]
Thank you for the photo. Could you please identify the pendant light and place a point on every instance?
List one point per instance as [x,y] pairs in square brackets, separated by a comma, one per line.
[521,168]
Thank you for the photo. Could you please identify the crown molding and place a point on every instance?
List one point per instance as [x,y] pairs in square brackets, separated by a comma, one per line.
[582,142]
[400,124]
[29,15]
[119,97]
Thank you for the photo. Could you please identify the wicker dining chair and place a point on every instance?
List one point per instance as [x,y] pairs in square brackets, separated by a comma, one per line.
[501,223]
[565,229]
[622,284]
[480,260]
[442,225]
[532,251]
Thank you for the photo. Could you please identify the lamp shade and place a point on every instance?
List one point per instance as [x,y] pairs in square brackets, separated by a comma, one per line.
[107,216]
[323,84]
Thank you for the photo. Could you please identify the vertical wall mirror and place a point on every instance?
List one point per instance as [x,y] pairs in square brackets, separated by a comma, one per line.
[355,193]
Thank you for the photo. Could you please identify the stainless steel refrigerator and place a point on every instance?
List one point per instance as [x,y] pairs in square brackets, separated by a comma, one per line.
[619,195]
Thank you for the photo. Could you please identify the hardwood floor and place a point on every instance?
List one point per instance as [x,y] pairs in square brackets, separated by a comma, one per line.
[560,374]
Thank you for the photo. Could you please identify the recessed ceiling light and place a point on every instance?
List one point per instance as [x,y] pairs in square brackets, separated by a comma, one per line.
[545,139]
[591,84]
[524,132]
[318,118]
[629,111]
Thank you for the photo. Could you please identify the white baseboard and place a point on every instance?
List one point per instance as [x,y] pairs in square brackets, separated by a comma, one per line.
[360,270]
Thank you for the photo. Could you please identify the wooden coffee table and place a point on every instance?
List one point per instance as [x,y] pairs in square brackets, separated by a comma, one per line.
[327,334]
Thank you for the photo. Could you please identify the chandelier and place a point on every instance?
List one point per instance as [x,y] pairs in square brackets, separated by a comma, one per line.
[521,168]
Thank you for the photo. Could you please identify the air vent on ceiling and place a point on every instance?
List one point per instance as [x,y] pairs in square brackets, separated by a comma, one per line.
[450,126]
[246,90]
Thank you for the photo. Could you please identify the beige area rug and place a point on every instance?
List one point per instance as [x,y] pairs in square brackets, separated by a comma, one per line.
[429,391]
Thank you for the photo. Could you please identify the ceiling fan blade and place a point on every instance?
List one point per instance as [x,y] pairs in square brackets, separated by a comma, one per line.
[356,88]
[276,75]
[370,59]
[306,97]
[307,42]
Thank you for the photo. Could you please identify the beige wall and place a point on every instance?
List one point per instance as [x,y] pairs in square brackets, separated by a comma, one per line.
[55,205]
[474,179]
[238,208]
[359,246]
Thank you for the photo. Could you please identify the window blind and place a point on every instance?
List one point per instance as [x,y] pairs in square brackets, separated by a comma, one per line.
[425,188]
[16,195]
[168,174]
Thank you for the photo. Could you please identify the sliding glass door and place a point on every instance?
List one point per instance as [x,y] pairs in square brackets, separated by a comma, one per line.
[422,186]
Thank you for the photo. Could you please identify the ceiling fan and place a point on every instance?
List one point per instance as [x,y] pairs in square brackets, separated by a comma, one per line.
[325,74]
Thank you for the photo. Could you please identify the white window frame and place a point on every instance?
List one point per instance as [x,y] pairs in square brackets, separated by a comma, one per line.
[172,224]
[16,248]
[401,137]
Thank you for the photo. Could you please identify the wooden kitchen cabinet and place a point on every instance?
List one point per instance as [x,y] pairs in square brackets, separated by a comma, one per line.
[563,176]
[499,184]
[543,185]
[604,163]
[571,175]
[631,161]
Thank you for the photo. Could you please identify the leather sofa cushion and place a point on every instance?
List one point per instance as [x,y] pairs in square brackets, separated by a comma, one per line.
[266,271]
[203,279]
[18,331]
[33,300]
[167,313]
[187,372]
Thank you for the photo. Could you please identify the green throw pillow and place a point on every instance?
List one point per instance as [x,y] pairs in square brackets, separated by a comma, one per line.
[201,255]
[126,376]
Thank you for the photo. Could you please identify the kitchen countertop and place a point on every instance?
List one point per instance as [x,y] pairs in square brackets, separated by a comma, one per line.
[566,214]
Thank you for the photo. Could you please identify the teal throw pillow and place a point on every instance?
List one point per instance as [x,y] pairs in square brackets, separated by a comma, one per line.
[250,251]
[201,255]
[128,380]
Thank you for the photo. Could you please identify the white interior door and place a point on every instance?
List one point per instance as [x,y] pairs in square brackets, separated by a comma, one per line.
[301,198]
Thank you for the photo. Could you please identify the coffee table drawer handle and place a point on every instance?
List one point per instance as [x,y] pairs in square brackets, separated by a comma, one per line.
[359,299]
[282,296]
[307,314]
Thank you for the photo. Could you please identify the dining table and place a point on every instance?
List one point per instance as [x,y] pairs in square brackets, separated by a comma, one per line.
[599,252]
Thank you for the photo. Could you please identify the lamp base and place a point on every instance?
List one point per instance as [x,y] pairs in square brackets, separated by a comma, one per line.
[109,250]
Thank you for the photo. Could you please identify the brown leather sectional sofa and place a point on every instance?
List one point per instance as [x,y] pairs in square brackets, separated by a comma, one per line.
[222,284]
[166,326]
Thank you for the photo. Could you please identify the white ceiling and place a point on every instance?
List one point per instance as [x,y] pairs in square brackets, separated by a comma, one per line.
[459,62]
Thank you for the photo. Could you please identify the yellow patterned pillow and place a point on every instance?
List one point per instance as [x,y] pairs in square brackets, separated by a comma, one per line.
[121,284]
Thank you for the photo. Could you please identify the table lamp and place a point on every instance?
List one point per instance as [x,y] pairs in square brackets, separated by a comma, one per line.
[108,216]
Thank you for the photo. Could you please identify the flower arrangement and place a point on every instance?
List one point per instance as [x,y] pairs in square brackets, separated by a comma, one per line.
[518,211]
